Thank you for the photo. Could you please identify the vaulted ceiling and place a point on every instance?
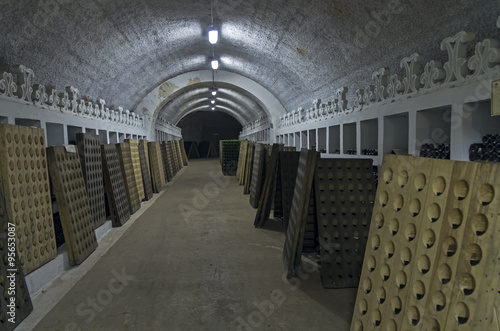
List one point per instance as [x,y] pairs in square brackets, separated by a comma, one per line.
[297,51]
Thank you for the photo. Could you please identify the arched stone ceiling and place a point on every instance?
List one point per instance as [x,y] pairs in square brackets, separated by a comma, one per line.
[121,50]
[247,96]
[233,99]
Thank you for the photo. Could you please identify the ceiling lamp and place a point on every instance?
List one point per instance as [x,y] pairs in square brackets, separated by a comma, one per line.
[213,90]
[213,35]
[213,108]
[215,64]
[212,101]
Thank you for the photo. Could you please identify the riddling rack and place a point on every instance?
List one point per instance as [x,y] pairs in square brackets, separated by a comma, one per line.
[431,260]
[229,156]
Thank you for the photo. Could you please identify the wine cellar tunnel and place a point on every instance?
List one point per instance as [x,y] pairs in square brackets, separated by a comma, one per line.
[249,165]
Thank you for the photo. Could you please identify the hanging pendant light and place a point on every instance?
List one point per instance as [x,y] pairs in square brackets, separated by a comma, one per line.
[213,35]
[215,64]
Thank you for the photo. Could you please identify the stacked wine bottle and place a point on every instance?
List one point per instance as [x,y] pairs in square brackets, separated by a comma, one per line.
[369,151]
[351,152]
[375,175]
[488,150]
[441,151]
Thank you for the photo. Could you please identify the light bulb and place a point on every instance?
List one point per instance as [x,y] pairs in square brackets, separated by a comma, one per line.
[213,101]
[213,36]
[215,64]
[214,93]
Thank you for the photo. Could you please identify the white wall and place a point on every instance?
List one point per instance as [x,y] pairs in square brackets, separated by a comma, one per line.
[458,115]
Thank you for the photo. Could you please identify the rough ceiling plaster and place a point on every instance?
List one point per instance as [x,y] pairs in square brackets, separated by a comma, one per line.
[298,50]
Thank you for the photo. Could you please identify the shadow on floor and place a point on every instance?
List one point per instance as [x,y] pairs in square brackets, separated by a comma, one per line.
[274,225]
[341,300]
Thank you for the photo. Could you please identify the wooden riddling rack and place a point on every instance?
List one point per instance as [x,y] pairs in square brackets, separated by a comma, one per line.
[71,196]
[193,151]
[25,184]
[212,151]
[243,173]
[344,195]
[202,149]
[230,150]
[136,167]
[180,162]
[146,176]
[310,238]
[183,153]
[23,305]
[125,158]
[331,213]
[292,250]
[258,173]
[77,174]
[241,159]
[278,192]
[173,155]
[267,193]
[247,176]
[156,164]
[432,261]
[166,156]
[89,149]
[429,260]
[144,144]
[115,186]
[289,162]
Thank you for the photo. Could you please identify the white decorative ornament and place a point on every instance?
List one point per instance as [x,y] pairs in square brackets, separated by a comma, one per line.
[73,94]
[97,111]
[340,101]
[81,107]
[486,58]
[433,75]
[8,86]
[120,115]
[359,98]
[25,81]
[456,46]
[40,96]
[413,68]
[394,85]
[329,108]
[369,96]
[379,77]
[323,111]
[54,100]
[301,114]
[126,117]
[65,103]
[90,109]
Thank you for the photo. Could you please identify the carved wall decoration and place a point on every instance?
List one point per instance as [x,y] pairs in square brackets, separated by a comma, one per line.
[18,85]
[418,77]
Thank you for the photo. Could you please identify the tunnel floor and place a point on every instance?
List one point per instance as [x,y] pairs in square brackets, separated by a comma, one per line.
[194,261]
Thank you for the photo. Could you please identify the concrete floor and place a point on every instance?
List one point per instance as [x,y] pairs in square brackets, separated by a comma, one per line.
[194,261]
